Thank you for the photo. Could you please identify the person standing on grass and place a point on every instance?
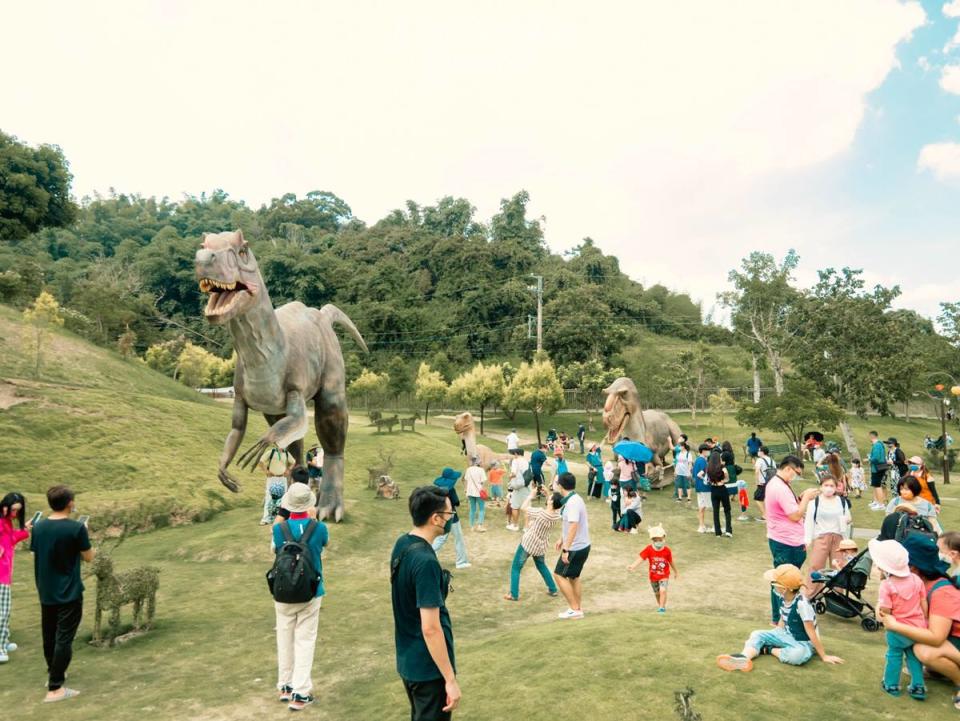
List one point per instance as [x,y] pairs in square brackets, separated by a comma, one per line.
[717,477]
[13,507]
[540,521]
[785,516]
[448,481]
[276,465]
[702,485]
[826,524]
[683,469]
[519,488]
[58,545]
[513,441]
[581,435]
[753,446]
[495,479]
[765,469]
[878,471]
[574,546]
[537,459]
[475,479]
[297,622]
[660,559]
[423,632]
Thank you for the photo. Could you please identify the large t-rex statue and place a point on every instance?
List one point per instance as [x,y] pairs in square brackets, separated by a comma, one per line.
[284,358]
[463,425]
[623,417]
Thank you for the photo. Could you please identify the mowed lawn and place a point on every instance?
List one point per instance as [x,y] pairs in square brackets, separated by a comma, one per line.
[211,654]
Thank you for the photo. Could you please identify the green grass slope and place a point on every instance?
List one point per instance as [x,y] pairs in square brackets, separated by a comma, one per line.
[137,446]
[212,652]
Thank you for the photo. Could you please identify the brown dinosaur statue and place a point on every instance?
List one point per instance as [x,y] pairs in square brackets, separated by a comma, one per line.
[285,357]
[624,418]
[463,425]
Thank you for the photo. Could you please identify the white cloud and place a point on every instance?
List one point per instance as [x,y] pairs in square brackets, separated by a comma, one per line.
[924,64]
[950,79]
[649,127]
[952,9]
[941,159]
[954,42]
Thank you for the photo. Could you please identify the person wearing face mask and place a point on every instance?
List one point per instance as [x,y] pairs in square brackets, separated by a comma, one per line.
[785,513]
[908,492]
[448,481]
[949,545]
[423,630]
[928,489]
[826,524]
[660,559]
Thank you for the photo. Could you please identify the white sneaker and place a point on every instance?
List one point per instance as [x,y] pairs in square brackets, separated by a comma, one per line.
[464,565]
[634,531]
[728,535]
[11,647]
[570,614]
[4,657]
[701,530]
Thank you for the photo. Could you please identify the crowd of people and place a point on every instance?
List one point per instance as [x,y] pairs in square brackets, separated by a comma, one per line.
[809,536]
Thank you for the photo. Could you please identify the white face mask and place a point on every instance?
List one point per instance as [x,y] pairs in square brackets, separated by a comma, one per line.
[828,491]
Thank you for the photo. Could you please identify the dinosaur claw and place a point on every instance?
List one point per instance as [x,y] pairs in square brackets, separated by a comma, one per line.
[335,512]
[228,480]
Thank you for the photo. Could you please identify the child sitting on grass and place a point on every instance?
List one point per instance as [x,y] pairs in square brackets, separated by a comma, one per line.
[795,639]
[856,478]
[660,558]
[902,596]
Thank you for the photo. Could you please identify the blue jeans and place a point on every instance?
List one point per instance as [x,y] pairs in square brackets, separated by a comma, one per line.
[459,543]
[782,553]
[478,508]
[792,651]
[897,647]
[520,558]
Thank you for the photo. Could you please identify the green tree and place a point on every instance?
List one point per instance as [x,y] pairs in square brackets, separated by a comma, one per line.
[34,188]
[163,357]
[590,378]
[371,385]
[721,404]
[690,373]
[852,349]
[399,381]
[535,388]
[430,388]
[480,387]
[798,408]
[761,306]
[43,315]
[195,366]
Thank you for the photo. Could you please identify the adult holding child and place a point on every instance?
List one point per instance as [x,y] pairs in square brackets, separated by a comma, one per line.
[59,544]
[785,513]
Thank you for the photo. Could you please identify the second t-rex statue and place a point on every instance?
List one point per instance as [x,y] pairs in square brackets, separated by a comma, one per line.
[285,357]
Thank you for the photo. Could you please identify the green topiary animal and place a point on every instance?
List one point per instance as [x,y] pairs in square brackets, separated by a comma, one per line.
[114,591]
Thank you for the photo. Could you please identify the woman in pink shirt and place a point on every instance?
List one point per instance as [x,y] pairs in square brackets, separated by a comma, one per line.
[13,506]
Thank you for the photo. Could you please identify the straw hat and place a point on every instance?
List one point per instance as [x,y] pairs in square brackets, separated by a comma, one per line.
[915,461]
[848,544]
[298,498]
[786,575]
[890,556]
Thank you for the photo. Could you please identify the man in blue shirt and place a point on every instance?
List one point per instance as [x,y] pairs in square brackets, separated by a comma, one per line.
[297,622]
[702,486]
[753,446]
[537,459]
[878,471]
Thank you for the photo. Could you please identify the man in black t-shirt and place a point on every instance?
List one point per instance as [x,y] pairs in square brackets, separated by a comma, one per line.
[422,628]
[58,544]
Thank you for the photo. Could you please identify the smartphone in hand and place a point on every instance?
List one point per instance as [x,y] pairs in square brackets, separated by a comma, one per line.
[82,520]
[36,517]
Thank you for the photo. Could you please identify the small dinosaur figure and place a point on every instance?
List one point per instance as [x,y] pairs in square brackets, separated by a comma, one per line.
[285,357]
[624,418]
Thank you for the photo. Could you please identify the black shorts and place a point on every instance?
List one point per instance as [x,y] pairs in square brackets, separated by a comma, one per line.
[575,567]
[876,478]
[760,493]
[427,699]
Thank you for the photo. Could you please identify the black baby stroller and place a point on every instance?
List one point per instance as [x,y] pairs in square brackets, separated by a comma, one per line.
[842,592]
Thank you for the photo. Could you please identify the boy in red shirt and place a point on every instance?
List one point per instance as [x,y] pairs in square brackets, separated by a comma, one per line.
[660,558]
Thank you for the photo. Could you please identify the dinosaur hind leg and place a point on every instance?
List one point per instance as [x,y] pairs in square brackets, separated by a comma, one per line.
[331,421]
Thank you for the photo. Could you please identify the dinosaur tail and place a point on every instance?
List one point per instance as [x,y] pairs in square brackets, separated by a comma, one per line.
[331,314]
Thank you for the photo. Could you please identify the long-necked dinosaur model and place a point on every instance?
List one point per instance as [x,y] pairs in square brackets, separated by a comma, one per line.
[285,357]
[624,418]
[464,427]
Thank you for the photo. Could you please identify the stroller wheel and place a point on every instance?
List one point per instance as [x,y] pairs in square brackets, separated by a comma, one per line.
[820,606]
[870,624]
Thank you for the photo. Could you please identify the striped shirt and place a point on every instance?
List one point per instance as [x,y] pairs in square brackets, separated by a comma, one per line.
[539,523]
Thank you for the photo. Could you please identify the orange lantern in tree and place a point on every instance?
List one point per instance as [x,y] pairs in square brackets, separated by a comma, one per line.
[938,387]
[955,390]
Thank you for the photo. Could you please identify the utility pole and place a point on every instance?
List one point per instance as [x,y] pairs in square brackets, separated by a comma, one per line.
[538,289]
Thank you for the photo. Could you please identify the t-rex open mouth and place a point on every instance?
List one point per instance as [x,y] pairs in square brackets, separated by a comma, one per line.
[223,296]
[613,434]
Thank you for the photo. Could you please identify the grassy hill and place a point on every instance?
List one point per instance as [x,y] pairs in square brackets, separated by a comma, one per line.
[136,446]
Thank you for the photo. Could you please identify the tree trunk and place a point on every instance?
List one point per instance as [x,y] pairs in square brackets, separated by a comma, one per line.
[849,439]
[756,378]
[906,411]
[693,414]
[426,413]
[776,363]
[536,418]
[481,419]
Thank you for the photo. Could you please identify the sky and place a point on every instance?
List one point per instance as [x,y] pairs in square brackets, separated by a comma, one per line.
[679,136]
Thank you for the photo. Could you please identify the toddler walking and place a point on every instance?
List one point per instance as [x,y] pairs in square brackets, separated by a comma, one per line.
[901,596]
[744,501]
[615,503]
[856,478]
[660,558]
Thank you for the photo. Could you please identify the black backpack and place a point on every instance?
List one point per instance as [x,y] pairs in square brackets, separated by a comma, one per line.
[910,525]
[293,577]
[769,469]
